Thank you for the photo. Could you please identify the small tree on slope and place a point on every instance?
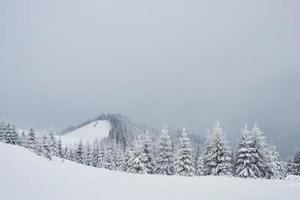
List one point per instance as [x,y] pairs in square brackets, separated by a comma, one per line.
[11,136]
[295,168]
[79,153]
[32,141]
[137,164]
[217,160]
[165,157]
[185,162]
[148,152]
[46,149]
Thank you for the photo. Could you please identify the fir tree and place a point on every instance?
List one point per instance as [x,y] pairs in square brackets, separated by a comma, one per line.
[274,167]
[53,144]
[185,162]
[3,132]
[88,159]
[32,141]
[108,159]
[46,149]
[137,159]
[79,153]
[127,159]
[24,140]
[199,166]
[59,149]
[148,152]
[217,160]
[165,158]
[96,154]
[296,164]
[11,136]
[246,158]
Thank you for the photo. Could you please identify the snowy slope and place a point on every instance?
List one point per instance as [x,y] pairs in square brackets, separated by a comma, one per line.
[23,175]
[97,129]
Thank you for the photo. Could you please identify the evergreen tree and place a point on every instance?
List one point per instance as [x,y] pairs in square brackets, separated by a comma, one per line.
[12,136]
[3,132]
[217,160]
[274,167]
[246,158]
[261,152]
[109,158]
[137,164]
[296,164]
[60,152]
[199,166]
[148,152]
[185,162]
[79,153]
[96,154]
[118,159]
[53,144]
[32,141]
[24,140]
[88,159]
[165,158]
[46,149]
[127,159]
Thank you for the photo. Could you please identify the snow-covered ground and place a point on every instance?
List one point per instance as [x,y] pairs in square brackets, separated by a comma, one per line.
[24,175]
[94,130]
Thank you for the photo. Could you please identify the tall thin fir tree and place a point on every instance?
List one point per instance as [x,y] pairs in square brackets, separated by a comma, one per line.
[24,140]
[96,153]
[118,158]
[32,141]
[199,171]
[217,160]
[3,131]
[108,159]
[165,157]
[261,152]
[88,159]
[59,149]
[185,159]
[274,167]
[53,144]
[127,159]
[295,168]
[246,158]
[46,149]
[148,152]
[79,153]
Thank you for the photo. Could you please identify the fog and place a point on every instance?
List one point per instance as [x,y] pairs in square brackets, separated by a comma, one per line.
[175,63]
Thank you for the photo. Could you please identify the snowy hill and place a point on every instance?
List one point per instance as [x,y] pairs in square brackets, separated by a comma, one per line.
[26,176]
[94,130]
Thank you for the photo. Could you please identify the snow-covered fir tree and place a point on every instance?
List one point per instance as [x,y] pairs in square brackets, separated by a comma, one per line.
[96,154]
[137,160]
[118,159]
[59,149]
[3,131]
[53,144]
[32,141]
[88,157]
[274,168]
[79,153]
[109,157]
[24,140]
[261,152]
[148,152]
[199,169]
[127,159]
[295,168]
[185,159]
[246,157]
[12,136]
[165,154]
[216,158]
[46,149]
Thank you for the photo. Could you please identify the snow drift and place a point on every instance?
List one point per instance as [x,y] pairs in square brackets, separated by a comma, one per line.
[26,176]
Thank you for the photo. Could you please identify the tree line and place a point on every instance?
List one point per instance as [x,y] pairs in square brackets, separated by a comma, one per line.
[254,157]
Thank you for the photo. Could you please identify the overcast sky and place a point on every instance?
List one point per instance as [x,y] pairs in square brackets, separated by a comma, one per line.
[159,62]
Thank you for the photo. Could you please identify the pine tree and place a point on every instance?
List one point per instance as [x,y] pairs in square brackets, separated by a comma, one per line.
[148,152]
[12,136]
[32,141]
[96,154]
[274,167]
[261,154]
[127,159]
[217,160]
[296,164]
[246,158]
[185,162]
[24,140]
[88,159]
[46,149]
[137,159]
[60,153]
[118,159]
[3,132]
[199,166]
[165,158]
[108,159]
[53,144]
[79,153]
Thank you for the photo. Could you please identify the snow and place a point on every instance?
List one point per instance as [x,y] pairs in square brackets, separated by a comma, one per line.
[94,130]
[26,176]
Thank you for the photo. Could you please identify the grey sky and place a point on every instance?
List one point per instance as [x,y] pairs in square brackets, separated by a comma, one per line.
[160,62]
